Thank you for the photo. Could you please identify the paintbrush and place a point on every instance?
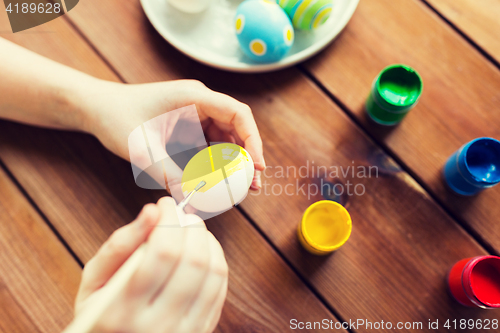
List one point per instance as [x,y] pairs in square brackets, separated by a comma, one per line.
[102,299]
[188,197]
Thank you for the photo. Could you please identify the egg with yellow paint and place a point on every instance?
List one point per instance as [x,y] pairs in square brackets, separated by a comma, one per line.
[307,14]
[228,171]
[264,30]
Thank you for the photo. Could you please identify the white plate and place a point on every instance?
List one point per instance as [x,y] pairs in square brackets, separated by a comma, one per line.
[209,37]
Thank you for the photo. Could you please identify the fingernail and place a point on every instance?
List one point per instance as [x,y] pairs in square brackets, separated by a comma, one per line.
[258,180]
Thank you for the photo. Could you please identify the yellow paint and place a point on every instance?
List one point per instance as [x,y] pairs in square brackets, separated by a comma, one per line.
[300,10]
[211,158]
[207,165]
[322,17]
[245,154]
[258,47]
[325,227]
[289,35]
[239,24]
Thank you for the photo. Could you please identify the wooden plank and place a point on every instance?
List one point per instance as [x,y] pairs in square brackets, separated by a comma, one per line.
[476,19]
[86,201]
[38,276]
[402,244]
[14,319]
[86,193]
[459,102]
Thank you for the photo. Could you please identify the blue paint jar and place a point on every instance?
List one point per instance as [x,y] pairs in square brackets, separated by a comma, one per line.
[474,167]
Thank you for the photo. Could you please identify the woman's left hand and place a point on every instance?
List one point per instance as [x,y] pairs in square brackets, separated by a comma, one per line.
[115,110]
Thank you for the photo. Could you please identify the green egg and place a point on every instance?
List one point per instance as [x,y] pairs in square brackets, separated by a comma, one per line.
[307,14]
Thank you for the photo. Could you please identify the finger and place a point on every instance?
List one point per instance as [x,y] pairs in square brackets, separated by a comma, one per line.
[164,174]
[187,132]
[237,138]
[214,316]
[256,181]
[215,313]
[175,190]
[163,252]
[200,316]
[116,250]
[147,151]
[190,209]
[188,279]
[215,134]
[229,111]
[154,158]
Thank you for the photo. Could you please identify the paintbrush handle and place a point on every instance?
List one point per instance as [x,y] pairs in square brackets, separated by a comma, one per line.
[102,299]
[186,200]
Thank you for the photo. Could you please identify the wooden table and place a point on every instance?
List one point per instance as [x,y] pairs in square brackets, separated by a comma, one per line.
[62,194]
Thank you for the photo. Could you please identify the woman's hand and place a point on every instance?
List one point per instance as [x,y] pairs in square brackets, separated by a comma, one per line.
[180,286]
[41,92]
[115,110]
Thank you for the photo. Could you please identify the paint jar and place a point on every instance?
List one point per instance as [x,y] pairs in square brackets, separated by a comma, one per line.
[474,167]
[394,93]
[325,227]
[475,282]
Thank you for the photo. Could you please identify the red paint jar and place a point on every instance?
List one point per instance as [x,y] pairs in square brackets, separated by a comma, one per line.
[475,282]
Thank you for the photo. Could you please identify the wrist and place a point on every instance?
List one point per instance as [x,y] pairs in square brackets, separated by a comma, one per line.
[89,104]
[67,108]
[102,110]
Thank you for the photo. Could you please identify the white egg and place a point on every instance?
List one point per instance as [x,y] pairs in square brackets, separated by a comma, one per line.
[228,171]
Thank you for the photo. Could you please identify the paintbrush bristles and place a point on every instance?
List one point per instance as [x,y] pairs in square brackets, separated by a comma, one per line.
[200,185]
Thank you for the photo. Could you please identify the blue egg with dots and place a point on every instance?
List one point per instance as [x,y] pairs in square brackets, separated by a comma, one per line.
[264,30]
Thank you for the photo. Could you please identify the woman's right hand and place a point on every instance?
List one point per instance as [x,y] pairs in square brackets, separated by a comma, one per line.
[181,285]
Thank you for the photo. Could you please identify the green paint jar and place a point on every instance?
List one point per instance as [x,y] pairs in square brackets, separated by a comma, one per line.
[394,93]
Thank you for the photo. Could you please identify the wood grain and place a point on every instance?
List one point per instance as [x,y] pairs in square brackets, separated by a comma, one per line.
[460,100]
[87,193]
[478,20]
[403,243]
[87,204]
[38,276]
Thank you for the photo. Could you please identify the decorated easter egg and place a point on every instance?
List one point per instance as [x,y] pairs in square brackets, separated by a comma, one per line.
[264,31]
[307,14]
[228,171]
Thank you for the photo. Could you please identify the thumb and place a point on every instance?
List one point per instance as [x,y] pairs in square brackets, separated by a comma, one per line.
[116,250]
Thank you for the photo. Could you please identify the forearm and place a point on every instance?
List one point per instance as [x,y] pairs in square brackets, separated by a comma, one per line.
[38,91]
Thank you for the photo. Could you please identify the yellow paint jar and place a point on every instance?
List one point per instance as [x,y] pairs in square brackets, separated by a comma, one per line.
[325,227]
